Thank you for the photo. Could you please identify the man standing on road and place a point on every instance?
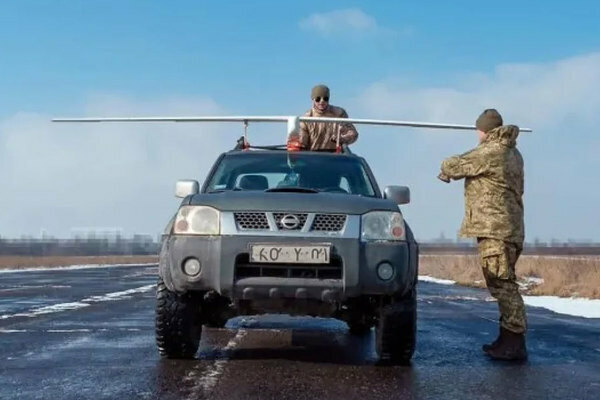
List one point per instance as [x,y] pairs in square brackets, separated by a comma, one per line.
[493,173]
[323,136]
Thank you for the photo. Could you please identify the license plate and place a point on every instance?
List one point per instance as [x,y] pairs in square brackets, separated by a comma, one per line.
[314,254]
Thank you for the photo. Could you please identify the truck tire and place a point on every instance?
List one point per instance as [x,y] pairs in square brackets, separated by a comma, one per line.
[178,323]
[396,331]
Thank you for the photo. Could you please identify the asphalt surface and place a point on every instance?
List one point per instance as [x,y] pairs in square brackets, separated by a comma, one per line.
[89,334]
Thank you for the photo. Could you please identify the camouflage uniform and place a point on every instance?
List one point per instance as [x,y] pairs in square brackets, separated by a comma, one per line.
[493,173]
[322,136]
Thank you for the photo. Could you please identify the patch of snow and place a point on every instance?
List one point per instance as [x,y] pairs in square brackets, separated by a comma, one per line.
[79,304]
[528,281]
[579,307]
[427,278]
[207,381]
[248,323]
[469,298]
[67,330]
[26,287]
[535,280]
[47,310]
[13,330]
[466,298]
[73,267]
[118,295]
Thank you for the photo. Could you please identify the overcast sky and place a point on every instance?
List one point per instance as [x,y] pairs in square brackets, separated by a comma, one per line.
[537,62]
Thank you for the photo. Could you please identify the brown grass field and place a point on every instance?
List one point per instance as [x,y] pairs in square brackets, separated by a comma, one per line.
[65,261]
[562,276]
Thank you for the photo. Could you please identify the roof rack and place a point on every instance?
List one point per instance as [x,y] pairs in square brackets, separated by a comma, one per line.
[242,145]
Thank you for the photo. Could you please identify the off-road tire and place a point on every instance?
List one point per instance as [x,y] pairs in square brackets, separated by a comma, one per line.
[178,323]
[396,331]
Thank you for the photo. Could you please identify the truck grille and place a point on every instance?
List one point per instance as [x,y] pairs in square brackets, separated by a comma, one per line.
[251,221]
[245,269]
[328,222]
[284,221]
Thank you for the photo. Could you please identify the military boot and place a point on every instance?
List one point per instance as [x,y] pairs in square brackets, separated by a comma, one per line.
[488,346]
[510,347]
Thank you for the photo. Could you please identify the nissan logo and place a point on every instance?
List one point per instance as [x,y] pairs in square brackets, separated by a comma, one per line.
[289,221]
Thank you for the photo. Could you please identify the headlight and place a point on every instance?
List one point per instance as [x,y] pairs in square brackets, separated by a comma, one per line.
[197,220]
[383,225]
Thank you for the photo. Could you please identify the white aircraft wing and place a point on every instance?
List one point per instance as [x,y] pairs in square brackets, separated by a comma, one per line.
[292,121]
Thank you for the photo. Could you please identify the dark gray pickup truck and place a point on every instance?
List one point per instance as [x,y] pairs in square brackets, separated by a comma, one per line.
[299,233]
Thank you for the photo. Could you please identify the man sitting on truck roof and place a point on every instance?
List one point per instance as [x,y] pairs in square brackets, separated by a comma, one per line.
[316,136]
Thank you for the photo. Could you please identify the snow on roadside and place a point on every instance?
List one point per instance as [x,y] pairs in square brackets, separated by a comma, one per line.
[529,282]
[579,307]
[73,267]
[427,278]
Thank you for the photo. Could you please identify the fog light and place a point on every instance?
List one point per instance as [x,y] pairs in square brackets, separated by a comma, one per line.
[191,267]
[385,271]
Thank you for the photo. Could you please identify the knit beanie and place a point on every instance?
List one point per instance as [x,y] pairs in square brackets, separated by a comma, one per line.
[488,120]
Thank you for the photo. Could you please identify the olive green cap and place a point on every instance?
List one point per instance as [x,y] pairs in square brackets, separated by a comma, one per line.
[319,91]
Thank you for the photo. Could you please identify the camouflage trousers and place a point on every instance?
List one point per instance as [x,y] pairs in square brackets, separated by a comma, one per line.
[498,259]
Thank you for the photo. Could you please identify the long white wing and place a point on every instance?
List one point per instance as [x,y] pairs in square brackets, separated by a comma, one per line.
[292,121]
[270,118]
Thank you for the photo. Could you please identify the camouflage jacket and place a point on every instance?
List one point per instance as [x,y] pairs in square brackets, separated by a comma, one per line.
[322,136]
[493,173]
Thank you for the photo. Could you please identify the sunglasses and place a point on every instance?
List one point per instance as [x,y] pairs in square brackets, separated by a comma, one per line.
[318,99]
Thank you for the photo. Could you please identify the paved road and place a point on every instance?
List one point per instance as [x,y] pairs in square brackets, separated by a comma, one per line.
[88,334]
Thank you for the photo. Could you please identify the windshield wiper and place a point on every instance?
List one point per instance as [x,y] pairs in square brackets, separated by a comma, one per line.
[235,189]
[292,189]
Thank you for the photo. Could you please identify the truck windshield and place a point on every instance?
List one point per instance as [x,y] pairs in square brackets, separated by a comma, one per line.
[286,171]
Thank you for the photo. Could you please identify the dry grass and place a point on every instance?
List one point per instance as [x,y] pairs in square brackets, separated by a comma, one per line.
[63,261]
[563,276]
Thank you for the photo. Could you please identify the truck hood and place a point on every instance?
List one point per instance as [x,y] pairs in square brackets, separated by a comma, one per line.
[297,202]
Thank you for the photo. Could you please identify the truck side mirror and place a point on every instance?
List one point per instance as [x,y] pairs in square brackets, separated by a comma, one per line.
[399,194]
[186,187]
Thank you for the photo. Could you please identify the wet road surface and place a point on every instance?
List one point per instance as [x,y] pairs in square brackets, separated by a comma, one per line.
[89,334]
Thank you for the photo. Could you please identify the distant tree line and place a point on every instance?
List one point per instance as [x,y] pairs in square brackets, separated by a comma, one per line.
[147,245]
[136,245]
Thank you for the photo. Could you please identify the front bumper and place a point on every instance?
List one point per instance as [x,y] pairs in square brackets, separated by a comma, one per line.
[219,257]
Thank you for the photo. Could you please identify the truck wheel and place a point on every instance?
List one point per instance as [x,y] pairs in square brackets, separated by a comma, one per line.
[396,331]
[178,323]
